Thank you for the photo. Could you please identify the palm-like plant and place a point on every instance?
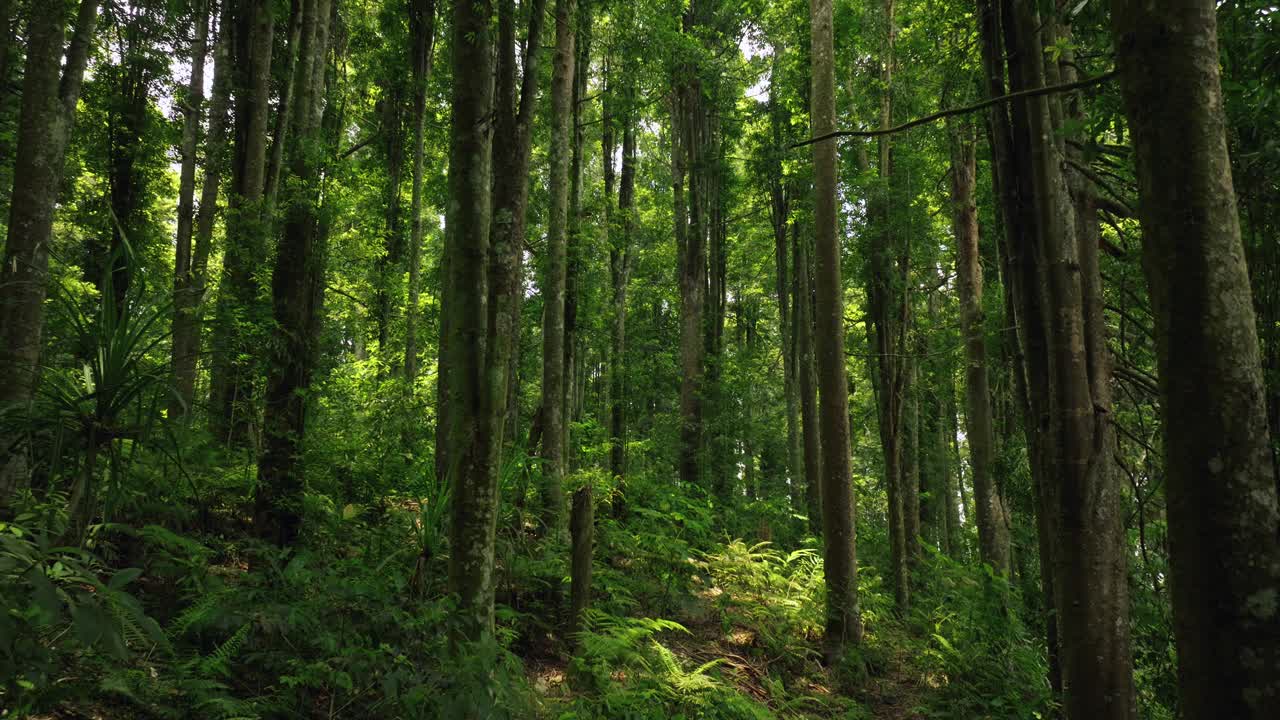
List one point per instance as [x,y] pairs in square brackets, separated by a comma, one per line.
[94,404]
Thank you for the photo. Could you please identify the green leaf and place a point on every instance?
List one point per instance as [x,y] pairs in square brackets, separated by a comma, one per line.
[123,578]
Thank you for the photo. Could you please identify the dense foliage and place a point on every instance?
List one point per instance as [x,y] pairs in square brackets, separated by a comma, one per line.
[280,537]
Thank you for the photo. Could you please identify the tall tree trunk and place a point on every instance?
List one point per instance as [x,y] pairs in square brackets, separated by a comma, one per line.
[692,266]
[1010,142]
[390,264]
[911,465]
[280,130]
[779,215]
[808,381]
[887,302]
[993,528]
[188,332]
[239,313]
[1224,529]
[719,440]
[620,275]
[422,23]
[513,132]
[111,269]
[473,386]
[186,342]
[1090,584]
[844,621]
[49,95]
[298,272]
[554,278]
[582,512]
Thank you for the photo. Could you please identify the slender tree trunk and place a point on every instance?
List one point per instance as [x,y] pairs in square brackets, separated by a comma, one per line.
[280,130]
[620,274]
[692,269]
[553,330]
[49,95]
[298,272]
[239,314]
[779,215]
[887,302]
[844,621]
[390,264]
[911,466]
[422,23]
[513,132]
[993,528]
[582,512]
[1224,529]
[111,268]
[1090,584]
[186,342]
[808,382]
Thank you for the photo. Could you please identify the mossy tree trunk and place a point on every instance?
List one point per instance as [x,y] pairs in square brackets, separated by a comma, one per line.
[1224,529]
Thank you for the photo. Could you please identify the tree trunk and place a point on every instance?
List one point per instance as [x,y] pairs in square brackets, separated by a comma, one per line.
[1010,153]
[554,279]
[186,339]
[422,23]
[391,262]
[473,386]
[843,622]
[1090,582]
[1224,531]
[993,527]
[808,382]
[779,215]
[298,272]
[887,301]
[692,267]
[911,466]
[620,275]
[582,512]
[49,96]
[239,316]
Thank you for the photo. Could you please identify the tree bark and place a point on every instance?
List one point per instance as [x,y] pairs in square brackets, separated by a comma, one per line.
[186,339]
[49,95]
[422,23]
[239,314]
[808,382]
[554,278]
[779,215]
[993,527]
[843,621]
[1083,503]
[473,387]
[911,466]
[692,265]
[299,270]
[620,275]
[1224,528]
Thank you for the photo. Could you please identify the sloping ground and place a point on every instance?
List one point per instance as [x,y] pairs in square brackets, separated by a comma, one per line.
[787,686]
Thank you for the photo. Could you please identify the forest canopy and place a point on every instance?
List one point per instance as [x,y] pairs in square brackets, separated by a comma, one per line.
[654,359]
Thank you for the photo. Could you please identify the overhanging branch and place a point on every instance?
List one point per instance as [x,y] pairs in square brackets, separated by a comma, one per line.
[951,112]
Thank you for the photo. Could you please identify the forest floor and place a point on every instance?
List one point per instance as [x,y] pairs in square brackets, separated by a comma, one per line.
[892,689]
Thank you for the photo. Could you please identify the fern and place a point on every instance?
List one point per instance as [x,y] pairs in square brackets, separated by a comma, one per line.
[201,612]
[219,661]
